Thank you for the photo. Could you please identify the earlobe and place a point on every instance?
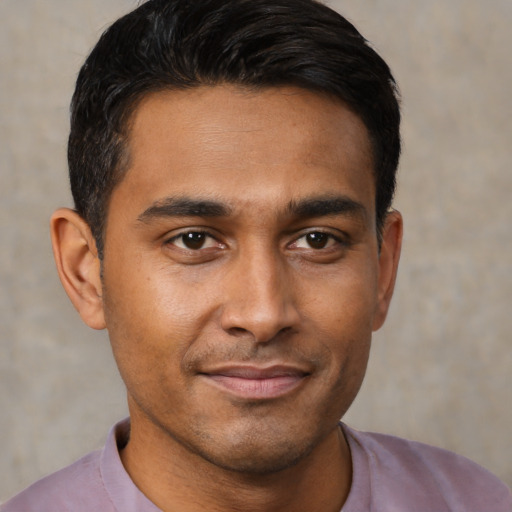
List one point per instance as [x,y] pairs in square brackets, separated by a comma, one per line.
[78,265]
[388,265]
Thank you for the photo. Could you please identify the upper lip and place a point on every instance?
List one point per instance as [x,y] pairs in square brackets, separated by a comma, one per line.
[257,372]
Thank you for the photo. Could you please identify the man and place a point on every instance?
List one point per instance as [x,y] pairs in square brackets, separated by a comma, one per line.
[233,165]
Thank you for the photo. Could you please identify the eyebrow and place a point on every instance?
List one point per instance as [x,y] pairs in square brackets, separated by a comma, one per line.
[325,206]
[317,206]
[184,207]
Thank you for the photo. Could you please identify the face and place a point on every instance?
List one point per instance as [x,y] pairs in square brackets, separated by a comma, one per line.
[241,271]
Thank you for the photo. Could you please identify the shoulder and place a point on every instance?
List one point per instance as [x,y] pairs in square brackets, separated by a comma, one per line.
[79,483]
[399,470]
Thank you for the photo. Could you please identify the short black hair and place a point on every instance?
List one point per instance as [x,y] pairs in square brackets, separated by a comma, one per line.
[181,44]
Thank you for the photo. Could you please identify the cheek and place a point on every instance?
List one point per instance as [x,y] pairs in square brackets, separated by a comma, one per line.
[344,302]
[148,350]
[155,320]
[342,319]
[151,298]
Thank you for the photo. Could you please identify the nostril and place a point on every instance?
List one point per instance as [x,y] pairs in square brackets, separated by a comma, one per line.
[238,331]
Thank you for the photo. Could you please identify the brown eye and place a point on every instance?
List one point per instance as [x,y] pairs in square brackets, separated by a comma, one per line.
[317,240]
[194,241]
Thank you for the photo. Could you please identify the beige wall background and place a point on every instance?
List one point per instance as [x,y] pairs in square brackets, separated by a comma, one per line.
[441,369]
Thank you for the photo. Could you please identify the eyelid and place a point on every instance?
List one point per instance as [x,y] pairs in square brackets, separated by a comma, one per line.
[339,237]
[170,240]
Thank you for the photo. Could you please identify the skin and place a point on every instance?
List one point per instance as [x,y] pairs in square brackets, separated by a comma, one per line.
[242,280]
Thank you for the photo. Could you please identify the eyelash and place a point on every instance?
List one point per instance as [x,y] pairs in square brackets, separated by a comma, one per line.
[338,241]
[329,237]
[181,236]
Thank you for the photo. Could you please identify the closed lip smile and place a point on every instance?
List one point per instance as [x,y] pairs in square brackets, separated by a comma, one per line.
[256,383]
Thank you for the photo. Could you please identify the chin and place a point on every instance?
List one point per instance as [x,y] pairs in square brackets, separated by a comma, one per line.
[258,462]
[255,453]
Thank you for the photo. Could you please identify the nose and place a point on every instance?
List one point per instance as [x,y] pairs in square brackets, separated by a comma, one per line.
[259,298]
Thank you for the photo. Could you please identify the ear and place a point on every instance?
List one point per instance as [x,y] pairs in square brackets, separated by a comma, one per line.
[78,265]
[388,265]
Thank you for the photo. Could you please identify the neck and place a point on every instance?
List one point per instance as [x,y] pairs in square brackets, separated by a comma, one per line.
[173,478]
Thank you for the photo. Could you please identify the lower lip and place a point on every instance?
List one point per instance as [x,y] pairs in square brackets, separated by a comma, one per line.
[257,389]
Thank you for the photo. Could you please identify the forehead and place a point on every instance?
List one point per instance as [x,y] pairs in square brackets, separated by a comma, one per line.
[241,146]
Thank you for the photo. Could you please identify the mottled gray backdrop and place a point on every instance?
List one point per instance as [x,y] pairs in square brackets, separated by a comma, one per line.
[441,369]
